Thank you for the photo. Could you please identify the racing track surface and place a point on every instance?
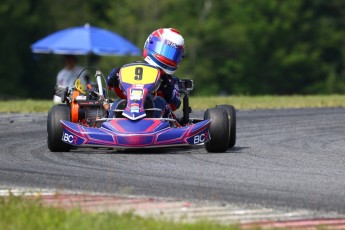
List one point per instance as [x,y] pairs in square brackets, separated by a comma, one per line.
[292,158]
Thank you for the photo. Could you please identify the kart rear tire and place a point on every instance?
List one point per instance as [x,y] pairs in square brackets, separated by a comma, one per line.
[232,123]
[54,128]
[219,130]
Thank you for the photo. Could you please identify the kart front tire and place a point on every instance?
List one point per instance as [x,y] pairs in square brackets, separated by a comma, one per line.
[219,130]
[232,123]
[54,128]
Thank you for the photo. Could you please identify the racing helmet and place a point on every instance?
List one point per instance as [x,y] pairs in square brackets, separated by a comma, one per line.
[164,48]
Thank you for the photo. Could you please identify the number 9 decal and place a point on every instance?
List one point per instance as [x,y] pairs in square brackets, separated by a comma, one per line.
[138,73]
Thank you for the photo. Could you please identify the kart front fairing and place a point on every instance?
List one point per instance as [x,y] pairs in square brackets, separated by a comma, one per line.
[144,133]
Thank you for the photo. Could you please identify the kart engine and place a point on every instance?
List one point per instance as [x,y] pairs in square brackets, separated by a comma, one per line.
[87,108]
[91,113]
[87,104]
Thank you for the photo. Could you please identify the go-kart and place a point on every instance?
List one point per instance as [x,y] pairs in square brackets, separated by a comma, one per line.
[85,118]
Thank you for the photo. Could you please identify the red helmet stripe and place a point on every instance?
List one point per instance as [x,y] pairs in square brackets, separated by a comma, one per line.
[165,60]
[158,33]
[175,30]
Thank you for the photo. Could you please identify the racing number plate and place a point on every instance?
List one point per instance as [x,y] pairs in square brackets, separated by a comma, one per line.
[139,74]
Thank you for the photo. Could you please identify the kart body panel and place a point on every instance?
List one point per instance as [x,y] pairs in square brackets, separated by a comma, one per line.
[137,80]
[143,133]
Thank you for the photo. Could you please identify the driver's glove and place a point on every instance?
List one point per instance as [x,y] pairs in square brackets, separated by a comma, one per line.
[171,93]
[113,78]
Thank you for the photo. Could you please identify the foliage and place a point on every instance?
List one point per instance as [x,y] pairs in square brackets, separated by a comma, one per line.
[233,47]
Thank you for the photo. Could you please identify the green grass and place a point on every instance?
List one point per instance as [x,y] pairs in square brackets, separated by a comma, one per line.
[240,102]
[270,102]
[19,213]
[25,106]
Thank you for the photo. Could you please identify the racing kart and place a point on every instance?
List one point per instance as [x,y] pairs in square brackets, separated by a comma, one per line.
[85,118]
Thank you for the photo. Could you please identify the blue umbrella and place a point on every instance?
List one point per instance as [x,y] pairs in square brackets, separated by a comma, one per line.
[85,40]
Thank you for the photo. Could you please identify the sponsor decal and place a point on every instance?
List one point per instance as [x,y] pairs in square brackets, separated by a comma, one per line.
[136,94]
[139,86]
[89,102]
[170,43]
[67,138]
[134,108]
[199,138]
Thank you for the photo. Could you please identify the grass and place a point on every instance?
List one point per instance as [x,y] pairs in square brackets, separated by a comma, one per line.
[271,102]
[19,213]
[25,106]
[240,102]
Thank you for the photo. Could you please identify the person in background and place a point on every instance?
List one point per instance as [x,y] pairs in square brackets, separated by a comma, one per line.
[67,76]
[164,48]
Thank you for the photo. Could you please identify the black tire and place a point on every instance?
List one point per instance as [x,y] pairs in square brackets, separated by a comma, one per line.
[219,130]
[232,122]
[54,128]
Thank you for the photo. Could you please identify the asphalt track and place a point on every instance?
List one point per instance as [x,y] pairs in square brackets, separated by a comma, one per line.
[291,158]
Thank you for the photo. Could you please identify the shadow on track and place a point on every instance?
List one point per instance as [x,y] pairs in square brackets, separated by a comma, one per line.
[152,151]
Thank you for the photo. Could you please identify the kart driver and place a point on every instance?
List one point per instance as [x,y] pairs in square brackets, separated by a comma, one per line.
[164,48]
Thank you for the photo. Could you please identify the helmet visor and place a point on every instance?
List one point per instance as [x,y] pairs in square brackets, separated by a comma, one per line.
[159,46]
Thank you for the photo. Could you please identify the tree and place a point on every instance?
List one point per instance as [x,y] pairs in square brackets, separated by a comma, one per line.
[232,47]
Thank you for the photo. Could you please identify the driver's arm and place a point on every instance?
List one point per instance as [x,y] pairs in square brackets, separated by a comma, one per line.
[113,82]
[170,91]
[113,78]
